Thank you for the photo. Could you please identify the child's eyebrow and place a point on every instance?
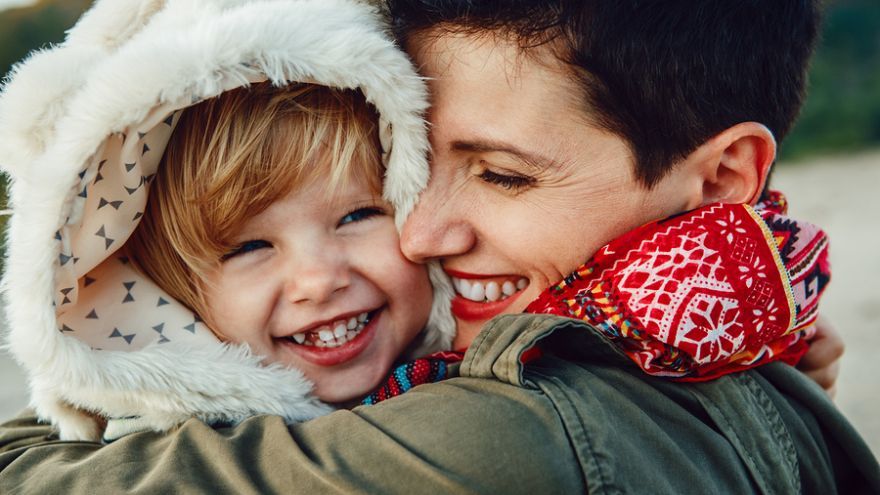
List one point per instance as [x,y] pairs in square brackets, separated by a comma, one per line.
[533,160]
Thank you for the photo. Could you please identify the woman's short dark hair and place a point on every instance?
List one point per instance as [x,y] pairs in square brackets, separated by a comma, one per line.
[665,75]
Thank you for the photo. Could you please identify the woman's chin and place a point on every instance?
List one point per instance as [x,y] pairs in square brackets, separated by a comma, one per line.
[470,316]
[465,333]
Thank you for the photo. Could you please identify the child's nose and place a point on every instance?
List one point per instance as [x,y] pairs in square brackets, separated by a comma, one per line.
[316,278]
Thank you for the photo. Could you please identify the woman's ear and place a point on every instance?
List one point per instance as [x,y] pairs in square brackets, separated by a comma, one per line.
[735,163]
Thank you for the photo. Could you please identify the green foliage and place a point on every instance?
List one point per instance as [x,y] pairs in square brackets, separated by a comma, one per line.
[23,30]
[29,28]
[842,111]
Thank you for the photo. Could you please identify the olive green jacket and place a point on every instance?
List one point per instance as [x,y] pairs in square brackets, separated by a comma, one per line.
[579,417]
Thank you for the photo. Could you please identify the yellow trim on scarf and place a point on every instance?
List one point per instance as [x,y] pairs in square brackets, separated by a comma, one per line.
[768,236]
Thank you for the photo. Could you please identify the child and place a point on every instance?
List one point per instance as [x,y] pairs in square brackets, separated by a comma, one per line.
[259,132]
[272,228]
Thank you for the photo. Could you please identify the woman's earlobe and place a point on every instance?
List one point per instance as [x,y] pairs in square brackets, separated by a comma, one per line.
[738,163]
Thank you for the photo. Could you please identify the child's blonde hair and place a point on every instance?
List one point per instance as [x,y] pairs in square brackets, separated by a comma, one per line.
[230,158]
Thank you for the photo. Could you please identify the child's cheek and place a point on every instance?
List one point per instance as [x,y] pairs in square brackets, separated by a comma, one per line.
[238,297]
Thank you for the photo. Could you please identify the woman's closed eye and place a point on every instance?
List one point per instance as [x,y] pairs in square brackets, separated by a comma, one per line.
[361,214]
[512,182]
[500,176]
[246,247]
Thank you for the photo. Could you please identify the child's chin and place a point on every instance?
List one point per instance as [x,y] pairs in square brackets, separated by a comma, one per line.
[349,394]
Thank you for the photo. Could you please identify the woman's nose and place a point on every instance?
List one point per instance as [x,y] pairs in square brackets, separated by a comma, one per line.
[315,277]
[438,227]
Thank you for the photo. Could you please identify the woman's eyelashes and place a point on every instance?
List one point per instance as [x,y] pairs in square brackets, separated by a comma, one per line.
[513,182]
[361,214]
[246,247]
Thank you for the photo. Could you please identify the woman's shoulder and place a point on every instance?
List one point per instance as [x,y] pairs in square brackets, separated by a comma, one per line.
[770,428]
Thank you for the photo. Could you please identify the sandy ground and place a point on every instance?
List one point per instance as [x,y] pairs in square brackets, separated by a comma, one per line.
[843,196]
[840,194]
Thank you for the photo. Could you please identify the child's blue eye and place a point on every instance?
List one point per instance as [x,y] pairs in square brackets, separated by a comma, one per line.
[361,214]
[246,247]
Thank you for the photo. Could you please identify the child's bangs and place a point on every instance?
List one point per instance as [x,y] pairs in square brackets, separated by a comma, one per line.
[330,138]
[285,139]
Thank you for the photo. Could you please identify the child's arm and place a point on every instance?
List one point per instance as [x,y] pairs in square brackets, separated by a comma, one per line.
[822,362]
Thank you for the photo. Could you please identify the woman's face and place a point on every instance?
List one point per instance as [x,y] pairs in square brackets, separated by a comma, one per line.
[524,188]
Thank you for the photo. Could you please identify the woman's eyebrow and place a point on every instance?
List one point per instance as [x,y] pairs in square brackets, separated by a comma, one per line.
[532,160]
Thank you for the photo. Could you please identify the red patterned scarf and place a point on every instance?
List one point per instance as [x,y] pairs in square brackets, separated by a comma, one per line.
[716,290]
[699,295]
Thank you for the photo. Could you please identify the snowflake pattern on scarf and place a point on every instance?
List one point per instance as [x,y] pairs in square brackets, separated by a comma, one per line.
[699,295]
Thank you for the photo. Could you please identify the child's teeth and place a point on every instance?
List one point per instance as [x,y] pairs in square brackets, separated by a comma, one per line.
[325,334]
[493,291]
[508,288]
[339,330]
[521,283]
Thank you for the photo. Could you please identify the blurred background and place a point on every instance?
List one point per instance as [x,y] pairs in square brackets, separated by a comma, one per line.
[829,168]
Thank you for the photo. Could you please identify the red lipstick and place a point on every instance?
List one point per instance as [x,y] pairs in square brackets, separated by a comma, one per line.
[466,310]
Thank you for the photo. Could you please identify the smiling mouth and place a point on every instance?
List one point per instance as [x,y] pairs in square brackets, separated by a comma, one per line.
[487,291]
[335,334]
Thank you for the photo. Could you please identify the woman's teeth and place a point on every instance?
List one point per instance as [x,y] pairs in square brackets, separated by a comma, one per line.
[488,292]
[334,334]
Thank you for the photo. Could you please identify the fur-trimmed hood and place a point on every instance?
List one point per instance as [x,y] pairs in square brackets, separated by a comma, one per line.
[82,130]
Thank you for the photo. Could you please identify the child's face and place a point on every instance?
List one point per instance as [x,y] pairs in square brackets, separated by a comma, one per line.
[319,283]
